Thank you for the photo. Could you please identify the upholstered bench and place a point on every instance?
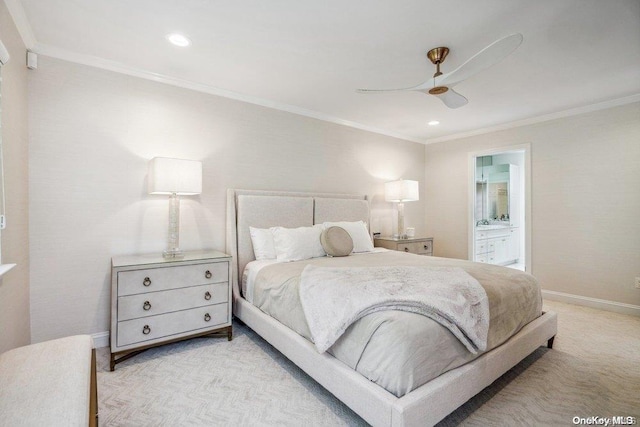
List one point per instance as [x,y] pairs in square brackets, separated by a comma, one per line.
[49,384]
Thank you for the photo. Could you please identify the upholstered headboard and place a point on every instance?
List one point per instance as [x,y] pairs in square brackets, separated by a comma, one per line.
[264,209]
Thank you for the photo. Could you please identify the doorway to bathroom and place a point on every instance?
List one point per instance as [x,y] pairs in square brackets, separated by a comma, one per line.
[500,207]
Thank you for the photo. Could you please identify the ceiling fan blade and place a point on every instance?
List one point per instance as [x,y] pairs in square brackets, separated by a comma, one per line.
[429,84]
[484,59]
[453,99]
[380,90]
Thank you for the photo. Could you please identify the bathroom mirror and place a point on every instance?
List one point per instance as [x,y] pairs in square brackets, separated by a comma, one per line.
[498,201]
[492,190]
[498,196]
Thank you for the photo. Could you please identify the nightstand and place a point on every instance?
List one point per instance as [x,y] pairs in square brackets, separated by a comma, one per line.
[156,301]
[417,245]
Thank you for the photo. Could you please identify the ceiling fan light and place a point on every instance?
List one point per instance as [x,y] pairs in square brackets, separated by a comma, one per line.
[438,90]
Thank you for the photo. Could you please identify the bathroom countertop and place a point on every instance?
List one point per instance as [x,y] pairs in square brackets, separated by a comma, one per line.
[492,227]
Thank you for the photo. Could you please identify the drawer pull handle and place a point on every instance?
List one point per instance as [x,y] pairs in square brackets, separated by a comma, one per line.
[207,295]
[146,306]
[207,317]
[207,274]
[146,281]
[406,249]
[146,330]
[426,246]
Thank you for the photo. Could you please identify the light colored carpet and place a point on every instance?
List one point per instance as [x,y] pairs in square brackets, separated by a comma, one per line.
[593,370]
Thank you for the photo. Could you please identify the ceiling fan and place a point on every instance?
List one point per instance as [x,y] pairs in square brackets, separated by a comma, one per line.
[441,85]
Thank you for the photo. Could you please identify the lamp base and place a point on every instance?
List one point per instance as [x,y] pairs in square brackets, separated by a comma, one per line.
[173,238]
[402,234]
[173,253]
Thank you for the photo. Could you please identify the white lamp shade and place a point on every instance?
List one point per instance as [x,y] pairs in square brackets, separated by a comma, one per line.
[401,191]
[168,176]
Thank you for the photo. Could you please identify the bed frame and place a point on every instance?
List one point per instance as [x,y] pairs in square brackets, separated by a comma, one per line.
[425,405]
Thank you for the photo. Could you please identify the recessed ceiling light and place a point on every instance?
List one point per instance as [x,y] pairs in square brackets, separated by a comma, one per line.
[433,123]
[178,40]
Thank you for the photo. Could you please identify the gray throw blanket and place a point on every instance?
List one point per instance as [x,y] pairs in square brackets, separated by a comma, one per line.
[332,298]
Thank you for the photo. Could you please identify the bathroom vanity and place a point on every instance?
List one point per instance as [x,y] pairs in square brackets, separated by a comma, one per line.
[497,244]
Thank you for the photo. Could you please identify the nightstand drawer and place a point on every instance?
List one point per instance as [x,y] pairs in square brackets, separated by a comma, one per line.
[408,247]
[426,247]
[160,279]
[420,248]
[164,325]
[154,303]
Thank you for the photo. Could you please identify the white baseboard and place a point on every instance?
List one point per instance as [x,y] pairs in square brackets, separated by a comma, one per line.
[602,304]
[100,339]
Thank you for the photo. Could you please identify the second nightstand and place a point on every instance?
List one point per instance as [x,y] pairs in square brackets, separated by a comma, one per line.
[416,245]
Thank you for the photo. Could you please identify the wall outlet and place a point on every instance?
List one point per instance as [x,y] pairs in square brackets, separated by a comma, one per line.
[637,282]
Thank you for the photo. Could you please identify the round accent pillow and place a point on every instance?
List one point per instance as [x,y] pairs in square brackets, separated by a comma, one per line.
[336,241]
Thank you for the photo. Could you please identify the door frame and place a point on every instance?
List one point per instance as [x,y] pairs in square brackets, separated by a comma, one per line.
[471,183]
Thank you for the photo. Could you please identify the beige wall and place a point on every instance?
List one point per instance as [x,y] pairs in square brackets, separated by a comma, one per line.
[92,133]
[14,286]
[585,200]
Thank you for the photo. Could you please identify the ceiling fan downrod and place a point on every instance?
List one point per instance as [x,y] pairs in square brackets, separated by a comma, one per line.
[437,57]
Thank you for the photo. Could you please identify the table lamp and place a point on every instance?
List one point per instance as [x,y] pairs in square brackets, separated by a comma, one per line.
[175,177]
[399,192]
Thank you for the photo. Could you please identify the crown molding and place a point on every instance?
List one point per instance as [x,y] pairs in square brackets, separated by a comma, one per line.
[105,64]
[539,119]
[19,17]
[94,61]
[16,10]
[22,23]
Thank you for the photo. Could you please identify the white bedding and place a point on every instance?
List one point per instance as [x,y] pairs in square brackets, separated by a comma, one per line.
[333,298]
[249,276]
[400,350]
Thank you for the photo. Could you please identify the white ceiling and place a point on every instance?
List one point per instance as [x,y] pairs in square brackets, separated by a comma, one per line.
[310,56]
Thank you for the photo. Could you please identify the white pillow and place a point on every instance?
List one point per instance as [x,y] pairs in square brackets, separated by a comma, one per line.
[263,246]
[358,232]
[296,244]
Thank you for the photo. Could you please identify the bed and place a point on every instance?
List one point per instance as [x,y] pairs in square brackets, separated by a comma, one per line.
[380,405]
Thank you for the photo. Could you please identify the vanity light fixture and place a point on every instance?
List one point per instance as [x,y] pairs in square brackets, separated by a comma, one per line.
[399,192]
[433,123]
[179,40]
[175,177]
